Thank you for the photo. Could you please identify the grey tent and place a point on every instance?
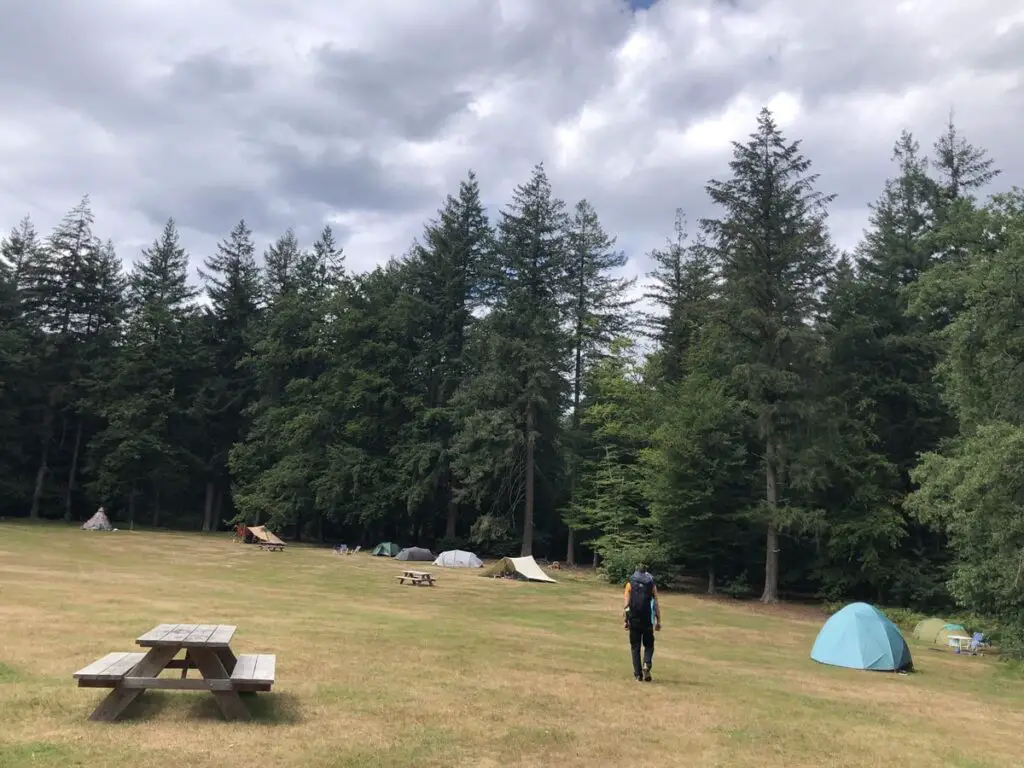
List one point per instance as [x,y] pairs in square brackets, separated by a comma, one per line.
[415,553]
[98,522]
[386,549]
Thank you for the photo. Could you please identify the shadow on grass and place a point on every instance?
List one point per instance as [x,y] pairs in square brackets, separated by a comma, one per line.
[266,708]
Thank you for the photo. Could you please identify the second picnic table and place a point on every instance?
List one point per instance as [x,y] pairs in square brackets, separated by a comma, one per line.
[416,577]
[207,648]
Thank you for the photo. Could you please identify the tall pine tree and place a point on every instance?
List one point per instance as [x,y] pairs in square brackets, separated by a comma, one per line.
[773,252]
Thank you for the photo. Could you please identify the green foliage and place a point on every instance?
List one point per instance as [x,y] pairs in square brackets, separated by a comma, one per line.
[849,426]
[619,564]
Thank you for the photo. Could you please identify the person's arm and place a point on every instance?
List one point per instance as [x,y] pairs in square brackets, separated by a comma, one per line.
[657,607]
[625,606]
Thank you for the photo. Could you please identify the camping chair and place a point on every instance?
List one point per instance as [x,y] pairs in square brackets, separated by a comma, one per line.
[353,551]
[976,644]
[341,549]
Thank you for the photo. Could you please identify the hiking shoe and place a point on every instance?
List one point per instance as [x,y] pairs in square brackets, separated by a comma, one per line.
[639,678]
[647,673]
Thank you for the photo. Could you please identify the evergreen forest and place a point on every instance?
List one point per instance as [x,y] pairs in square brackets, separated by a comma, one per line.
[764,415]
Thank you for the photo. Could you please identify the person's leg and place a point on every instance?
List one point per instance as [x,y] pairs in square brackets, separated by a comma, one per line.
[635,638]
[648,640]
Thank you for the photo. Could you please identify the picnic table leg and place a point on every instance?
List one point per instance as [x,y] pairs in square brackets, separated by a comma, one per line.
[228,659]
[212,668]
[118,699]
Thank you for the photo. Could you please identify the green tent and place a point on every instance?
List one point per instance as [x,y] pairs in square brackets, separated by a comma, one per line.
[386,549]
[929,629]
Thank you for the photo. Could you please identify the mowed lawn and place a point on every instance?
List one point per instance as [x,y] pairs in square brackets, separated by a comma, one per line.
[472,672]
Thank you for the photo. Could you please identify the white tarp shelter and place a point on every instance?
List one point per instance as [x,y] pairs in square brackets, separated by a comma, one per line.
[98,522]
[458,558]
[519,567]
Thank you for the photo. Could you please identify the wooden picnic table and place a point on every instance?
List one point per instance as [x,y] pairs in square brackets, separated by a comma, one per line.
[207,648]
[416,577]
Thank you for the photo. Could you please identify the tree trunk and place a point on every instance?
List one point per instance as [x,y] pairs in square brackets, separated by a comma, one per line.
[771,494]
[44,464]
[211,494]
[319,528]
[73,472]
[712,589]
[453,510]
[298,526]
[132,496]
[527,548]
[217,509]
[570,547]
[156,504]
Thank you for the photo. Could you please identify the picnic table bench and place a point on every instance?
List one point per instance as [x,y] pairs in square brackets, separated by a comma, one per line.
[416,577]
[207,648]
[272,547]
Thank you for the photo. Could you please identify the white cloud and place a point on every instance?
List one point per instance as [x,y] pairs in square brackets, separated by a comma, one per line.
[367,114]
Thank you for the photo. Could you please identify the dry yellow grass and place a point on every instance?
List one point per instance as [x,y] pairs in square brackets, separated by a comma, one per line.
[473,672]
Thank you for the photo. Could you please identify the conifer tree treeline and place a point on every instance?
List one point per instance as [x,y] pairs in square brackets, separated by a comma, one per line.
[802,422]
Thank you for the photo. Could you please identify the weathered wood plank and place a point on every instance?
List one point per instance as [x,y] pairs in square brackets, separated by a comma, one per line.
[118,699]
[230,703]
[176,684]
[177,635]
[221,636]
[156,633]
[266,668]
[244,667]
[200,635]
[111,666]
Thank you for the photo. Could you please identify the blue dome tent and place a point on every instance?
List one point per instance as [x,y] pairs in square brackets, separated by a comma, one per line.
[861,637]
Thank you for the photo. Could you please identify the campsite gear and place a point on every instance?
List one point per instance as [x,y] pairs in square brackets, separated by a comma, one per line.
[524,568]
[927,629]
[457,558]
[976,644]
[258,534]
[386,549]
[862,637]
[98,522]
[939,632]
[415,553]
[641,600]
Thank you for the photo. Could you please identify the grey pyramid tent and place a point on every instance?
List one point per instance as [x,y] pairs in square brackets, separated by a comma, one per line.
[415,553]
[518,568]
[386,549]
[98,522]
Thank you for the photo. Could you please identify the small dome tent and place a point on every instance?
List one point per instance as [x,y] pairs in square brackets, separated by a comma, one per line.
[386,549]
[861,637]
[458,558]
[415,553]
[928,629]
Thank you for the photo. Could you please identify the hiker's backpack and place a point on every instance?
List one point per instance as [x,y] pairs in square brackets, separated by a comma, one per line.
[641,588]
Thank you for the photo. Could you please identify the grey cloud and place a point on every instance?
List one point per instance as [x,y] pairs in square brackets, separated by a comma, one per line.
[356,182]
[220,135]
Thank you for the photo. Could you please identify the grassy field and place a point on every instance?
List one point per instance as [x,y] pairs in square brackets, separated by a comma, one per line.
[473,672]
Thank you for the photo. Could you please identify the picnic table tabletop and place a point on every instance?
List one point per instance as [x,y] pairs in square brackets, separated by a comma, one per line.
[188,636]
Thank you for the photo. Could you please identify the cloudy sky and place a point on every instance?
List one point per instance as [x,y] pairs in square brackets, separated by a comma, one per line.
[365,114]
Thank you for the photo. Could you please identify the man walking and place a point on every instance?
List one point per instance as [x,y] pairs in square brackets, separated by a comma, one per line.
[642,619]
